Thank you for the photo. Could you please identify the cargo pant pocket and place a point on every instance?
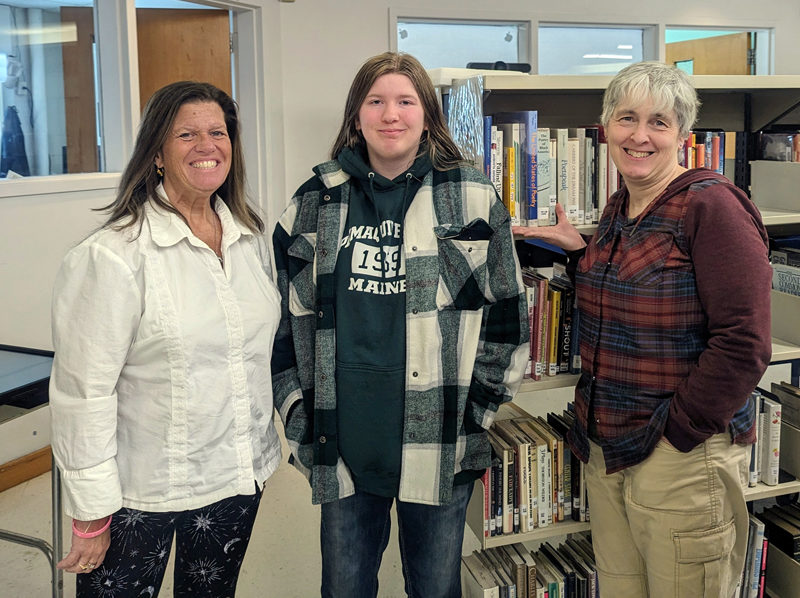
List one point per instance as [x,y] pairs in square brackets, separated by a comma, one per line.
[703,561]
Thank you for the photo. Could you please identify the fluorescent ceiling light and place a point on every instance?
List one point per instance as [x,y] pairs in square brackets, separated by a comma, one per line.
[610,56]
[625,47]
[47,34]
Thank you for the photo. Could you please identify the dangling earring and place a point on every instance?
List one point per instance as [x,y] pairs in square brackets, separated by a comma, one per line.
[160,171]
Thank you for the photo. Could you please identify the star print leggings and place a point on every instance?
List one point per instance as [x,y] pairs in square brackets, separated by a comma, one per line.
[210,543]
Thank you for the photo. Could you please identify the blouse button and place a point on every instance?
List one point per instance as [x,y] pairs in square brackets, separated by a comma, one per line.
[414,311]
[415,374]
[322,440]
[413,248]
[469,249]
[320,314]
[326,198]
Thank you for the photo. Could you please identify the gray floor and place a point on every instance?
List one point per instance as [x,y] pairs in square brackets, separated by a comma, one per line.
[282,560]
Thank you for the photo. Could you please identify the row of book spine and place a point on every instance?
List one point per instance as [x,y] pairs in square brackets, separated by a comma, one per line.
[553,320]
[535,480]
[774,409]
[706,148]
[533,168]
[512,571]
[774,528]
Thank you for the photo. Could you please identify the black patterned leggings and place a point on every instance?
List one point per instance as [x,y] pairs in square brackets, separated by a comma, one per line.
[210,543]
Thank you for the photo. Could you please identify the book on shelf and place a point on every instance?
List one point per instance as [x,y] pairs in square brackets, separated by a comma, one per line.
[579,134]
[501,571]
[754,555]
[784,254]
[755,449]
[545,187]
[770,440]
[573,206]
[571,472]
[788,395]
[476,579]
[536,291]
[561,176]
[496,160]
[574,584]
[786,278]
[584,562]
[547,575]
[591,168]
[783,534]
[515,566]
[553,323]
[540,472]
[505,485]
[529,143]
[531,585]
[522,497]
[487,146]
[602,174]
[762,574]
[511,141]
[555,463]
[554,179]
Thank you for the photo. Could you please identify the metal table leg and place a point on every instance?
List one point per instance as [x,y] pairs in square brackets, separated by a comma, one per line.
[57,577]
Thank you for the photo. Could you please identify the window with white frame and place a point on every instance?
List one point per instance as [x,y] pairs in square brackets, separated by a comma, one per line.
[50,99]
[742,51]
[585,50]
[455,43]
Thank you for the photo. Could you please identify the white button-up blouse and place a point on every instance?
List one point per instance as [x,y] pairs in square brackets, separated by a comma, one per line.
[161,394]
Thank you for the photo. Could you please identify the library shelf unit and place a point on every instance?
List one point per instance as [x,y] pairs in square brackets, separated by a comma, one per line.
[731,103]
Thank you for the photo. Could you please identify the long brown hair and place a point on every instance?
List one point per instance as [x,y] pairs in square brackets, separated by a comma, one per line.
[441,148]
[140,179]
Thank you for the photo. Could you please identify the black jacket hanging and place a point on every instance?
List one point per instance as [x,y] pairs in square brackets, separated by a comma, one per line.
[12,146]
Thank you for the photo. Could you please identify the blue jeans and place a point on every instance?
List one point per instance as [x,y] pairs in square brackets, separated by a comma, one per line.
[355,532]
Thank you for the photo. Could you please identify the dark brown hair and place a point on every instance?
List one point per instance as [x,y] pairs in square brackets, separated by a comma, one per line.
[139,180]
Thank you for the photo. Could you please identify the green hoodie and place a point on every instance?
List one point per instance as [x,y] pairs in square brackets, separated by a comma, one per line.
[370,323]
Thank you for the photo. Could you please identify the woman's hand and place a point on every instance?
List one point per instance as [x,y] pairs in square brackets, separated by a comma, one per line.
[563,234]
[86,554]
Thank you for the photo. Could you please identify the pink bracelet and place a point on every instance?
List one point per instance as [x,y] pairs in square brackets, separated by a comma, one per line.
[93,534]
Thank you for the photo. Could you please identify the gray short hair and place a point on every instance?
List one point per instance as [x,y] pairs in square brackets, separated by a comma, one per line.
[668,87]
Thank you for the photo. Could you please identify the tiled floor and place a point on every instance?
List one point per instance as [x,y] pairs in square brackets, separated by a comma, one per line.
[282,560]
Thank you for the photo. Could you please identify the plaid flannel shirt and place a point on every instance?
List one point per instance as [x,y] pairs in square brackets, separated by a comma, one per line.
[466,329]
[674,321]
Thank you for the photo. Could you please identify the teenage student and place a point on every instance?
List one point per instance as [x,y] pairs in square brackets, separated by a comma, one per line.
[161,401]
[674,298]
[403,327]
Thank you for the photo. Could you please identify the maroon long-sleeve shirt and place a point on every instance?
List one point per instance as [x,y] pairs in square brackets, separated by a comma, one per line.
[674,320]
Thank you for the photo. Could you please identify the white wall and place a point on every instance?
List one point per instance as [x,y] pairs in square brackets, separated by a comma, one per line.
[318,46]
[325,41]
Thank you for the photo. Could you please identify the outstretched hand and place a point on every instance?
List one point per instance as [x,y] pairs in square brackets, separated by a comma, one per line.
[563,234]
[86,554]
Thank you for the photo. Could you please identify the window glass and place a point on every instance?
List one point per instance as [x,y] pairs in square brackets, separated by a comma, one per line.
[49,120]
[720,51]
[588,50]
[454,44]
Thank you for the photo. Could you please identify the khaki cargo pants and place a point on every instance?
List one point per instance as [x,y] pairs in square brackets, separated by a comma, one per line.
[673,526]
